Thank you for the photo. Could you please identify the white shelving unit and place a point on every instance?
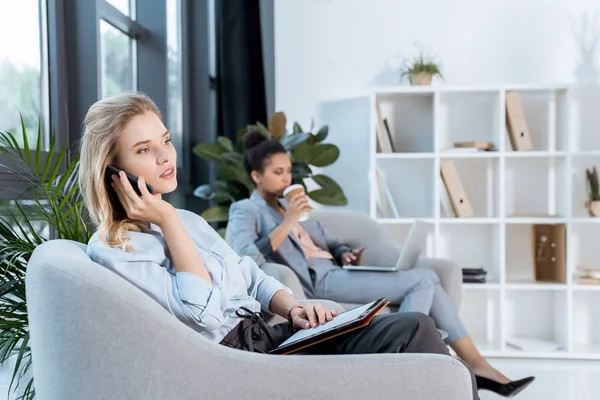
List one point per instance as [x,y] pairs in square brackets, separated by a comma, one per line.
[509,191]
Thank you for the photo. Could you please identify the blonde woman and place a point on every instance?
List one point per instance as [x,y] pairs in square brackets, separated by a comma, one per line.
[176,258]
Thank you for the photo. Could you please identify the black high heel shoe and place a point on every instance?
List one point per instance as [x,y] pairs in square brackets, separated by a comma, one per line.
[509,389]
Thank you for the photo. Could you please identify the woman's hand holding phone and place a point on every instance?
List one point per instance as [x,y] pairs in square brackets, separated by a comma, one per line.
[142,208]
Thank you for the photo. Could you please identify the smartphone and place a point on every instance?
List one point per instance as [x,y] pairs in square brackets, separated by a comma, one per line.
[110,171]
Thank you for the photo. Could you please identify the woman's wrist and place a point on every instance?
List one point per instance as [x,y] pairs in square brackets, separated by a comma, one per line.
[293,309]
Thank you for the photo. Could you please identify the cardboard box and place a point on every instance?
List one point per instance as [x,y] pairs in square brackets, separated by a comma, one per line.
[549,252]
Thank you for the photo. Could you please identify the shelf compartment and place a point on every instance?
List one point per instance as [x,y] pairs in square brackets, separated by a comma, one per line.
[410,118]
[472,246]
[535,187]
[469,117]
[538,314]
[586,320]
[520,268]
[409,184]
[583,243]
[579,185]
[480,179]
[586,119]
[481,315]
[546,112]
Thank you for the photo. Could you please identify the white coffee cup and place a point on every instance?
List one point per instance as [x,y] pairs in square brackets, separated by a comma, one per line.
[293,190]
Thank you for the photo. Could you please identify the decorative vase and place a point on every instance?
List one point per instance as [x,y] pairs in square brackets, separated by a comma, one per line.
[593,208]
[420,79]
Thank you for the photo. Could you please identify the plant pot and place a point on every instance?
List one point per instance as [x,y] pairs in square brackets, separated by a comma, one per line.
[593,208]
[420,79]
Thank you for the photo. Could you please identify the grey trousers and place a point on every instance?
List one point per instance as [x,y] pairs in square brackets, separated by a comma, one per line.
[418,290]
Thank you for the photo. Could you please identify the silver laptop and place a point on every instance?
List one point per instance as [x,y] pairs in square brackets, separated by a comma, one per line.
[411,251]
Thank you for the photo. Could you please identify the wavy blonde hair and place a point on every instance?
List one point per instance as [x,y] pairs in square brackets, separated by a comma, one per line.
[104,122]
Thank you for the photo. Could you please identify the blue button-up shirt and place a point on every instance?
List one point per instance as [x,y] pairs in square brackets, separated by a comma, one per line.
[209,309]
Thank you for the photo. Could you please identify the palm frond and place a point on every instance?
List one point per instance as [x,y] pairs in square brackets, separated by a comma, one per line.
[52,199]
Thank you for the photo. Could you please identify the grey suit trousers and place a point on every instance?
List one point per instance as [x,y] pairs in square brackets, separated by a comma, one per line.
[414,290]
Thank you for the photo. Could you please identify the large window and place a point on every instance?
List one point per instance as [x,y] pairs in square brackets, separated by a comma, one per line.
[124,6]
[117,60]
[23,82]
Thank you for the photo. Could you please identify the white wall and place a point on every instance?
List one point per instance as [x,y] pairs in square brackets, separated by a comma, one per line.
[329,53]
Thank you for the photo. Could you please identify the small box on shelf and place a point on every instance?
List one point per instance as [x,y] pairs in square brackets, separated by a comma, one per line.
[469,117]
[586,119]
[536,187]
[535,321]
[480,313]
[479,180]
[408,183]
[586,317]
[472,246]
[536,120]
[409,120]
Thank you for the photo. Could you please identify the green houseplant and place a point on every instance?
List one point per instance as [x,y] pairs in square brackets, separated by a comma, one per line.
[593,203]
[420,70]
[306,150]
[52,200]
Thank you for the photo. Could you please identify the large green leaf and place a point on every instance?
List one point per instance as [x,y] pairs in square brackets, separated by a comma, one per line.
[234,157]
[209,151]
[225,143]
[302,153]
[322,134]
[216,191]
[328,197]
[326,182]
[216,214]
[297,128]
[301,170]
[324,155]
[289,142]
[261,128]
[238,190]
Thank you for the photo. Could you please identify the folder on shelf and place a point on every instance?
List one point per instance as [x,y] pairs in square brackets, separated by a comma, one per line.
[516,123]
[548,245]
[456,191]
[385,201]
[446,205]
[383,134]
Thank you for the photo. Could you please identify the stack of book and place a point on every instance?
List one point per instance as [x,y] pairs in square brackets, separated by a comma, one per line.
[588,275]
[474,275]
[466,147]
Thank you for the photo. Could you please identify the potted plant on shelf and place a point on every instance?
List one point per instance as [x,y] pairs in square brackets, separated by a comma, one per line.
[593,203]
[306,149]
[421,70]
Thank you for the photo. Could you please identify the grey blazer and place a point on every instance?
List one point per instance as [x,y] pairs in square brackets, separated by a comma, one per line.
[250,223]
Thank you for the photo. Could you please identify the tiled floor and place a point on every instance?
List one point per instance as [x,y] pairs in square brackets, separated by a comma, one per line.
[555,380]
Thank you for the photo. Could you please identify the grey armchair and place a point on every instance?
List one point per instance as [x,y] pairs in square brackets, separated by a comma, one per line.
[95,336]
[358,229]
